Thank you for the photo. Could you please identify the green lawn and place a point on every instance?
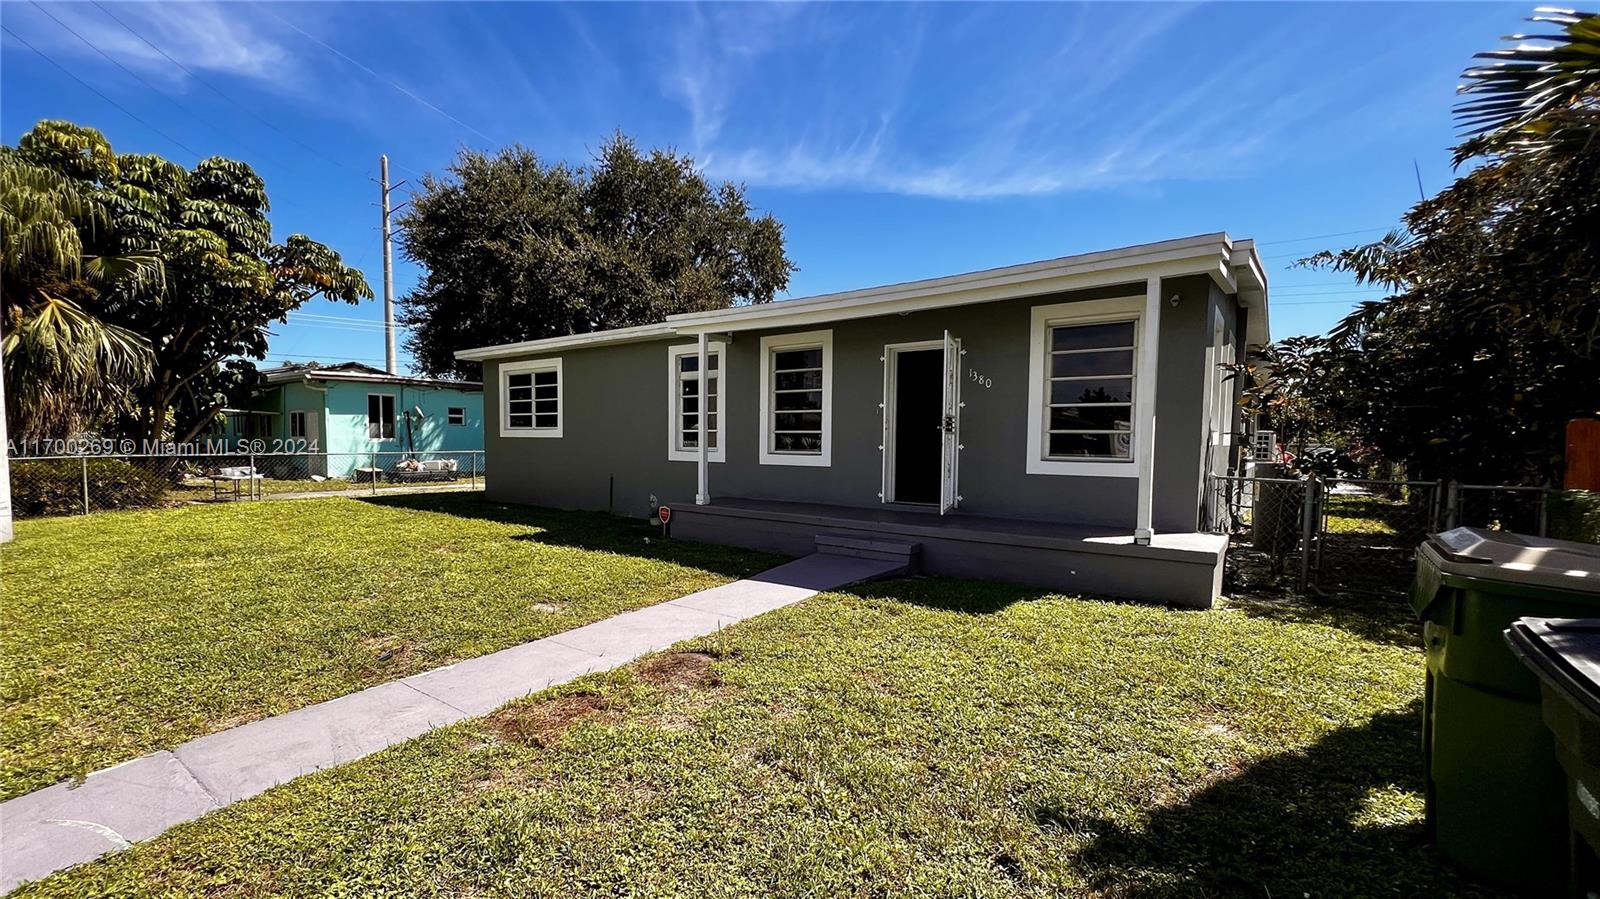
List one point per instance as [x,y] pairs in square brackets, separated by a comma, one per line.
[131,631]
[914,738]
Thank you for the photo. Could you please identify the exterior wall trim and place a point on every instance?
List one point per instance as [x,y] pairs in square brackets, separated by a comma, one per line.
[507,369]
[1081,312]
[674,353]
[770,344]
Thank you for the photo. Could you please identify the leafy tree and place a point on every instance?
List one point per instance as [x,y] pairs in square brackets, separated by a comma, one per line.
[65,365]
[1487,345]
[223,280]
[516,249]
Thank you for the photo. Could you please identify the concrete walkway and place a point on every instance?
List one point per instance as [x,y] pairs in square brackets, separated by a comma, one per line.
[68,824]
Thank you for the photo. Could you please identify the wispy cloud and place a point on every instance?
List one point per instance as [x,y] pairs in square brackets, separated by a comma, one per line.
[208,36]
[879,111]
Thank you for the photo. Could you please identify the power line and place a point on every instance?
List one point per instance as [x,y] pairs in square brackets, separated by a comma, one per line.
[125,111]
[346,57]
[1268,243]
[219,92]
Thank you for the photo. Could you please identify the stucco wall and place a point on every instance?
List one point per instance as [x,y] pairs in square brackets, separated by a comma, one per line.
[345,415]
[613,452]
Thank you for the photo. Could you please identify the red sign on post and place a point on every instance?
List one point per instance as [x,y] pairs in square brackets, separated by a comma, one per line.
[665,514]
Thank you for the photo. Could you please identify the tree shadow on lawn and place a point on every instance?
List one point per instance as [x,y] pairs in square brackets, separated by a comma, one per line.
[596,531]
[1379,618]
[1327,820]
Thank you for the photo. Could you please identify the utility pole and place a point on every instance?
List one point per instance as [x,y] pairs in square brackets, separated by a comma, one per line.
[388,271]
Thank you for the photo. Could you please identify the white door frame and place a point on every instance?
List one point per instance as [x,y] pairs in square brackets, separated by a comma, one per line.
[950,427]
[886,409]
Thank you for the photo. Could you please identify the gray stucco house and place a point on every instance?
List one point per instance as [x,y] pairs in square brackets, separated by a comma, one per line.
[1050,423]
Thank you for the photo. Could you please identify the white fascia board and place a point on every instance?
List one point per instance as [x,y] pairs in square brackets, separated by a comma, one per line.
[1068,273]
[295,377]
[632,334]
[780,315]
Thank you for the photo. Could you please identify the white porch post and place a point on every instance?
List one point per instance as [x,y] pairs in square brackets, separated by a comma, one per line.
[1144,429]
[703,496]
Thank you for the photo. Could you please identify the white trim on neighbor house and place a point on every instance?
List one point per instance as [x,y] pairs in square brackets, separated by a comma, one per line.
[770,347]
[675,449]
[455,415]
[532,366]
[294,416]
[1231,264]
[1084,312]
[394,412]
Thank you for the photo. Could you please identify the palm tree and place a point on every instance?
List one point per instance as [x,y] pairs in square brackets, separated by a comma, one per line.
[1540,95]
[63,366]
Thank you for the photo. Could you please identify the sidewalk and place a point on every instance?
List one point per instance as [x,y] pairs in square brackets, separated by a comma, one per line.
[67,824]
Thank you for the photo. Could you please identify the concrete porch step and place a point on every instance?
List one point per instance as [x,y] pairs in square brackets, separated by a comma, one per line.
[884,549]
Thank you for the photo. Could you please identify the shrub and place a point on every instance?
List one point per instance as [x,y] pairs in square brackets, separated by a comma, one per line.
[55,486]
[1575,515]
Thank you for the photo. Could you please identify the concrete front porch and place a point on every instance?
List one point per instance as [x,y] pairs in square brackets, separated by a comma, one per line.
[1179,569]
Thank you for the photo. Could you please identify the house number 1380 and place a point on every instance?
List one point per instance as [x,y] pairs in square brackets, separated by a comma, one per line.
[980,380]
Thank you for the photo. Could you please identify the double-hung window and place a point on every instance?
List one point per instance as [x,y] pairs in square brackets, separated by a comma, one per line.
[683,403]
[1084,357]
[797,399]
[380,416]
[530,404]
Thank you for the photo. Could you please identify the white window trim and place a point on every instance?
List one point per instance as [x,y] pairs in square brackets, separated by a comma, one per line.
[394,420]
[1085,312]
[532,365]
[720,452]
[769,346]
[303,430]
[449,412]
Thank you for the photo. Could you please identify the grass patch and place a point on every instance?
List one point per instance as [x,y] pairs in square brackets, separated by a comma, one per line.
[918,737]
[128,632]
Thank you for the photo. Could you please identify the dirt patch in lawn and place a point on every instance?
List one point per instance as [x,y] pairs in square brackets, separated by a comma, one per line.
[542,724]
[680,670]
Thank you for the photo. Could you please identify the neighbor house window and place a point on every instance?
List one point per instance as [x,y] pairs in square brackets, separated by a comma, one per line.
[796,399]
[380,416]
[1081,394]
[530,404]
[456,415]
[297,425]
[683,403]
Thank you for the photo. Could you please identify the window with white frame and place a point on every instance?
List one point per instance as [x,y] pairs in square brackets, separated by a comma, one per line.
[1082,393]
[455,415]
[796,399]
[380,416]
[297,425]
[683,403]
[531,403]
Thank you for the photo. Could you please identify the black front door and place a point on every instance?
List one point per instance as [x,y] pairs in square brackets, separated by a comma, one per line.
[918,381]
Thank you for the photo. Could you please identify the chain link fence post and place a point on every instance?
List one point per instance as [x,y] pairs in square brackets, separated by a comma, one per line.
[1452,512]
[1308,529]
[372,469]
[84,461]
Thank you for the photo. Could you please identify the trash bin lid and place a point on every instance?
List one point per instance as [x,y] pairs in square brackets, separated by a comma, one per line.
[1516,559]
[1565,652]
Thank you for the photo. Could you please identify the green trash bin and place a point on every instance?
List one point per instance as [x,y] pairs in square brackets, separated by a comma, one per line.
[1565,655]
[1495,792]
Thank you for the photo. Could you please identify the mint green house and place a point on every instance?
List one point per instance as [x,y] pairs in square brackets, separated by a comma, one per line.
[348,415]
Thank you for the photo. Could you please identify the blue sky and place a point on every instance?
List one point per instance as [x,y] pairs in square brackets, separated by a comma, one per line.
[893,141]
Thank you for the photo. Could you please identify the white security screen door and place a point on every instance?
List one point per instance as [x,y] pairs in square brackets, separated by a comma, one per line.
[950,456]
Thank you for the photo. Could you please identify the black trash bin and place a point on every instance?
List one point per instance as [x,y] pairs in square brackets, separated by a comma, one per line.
[1565,655]
[1495,789]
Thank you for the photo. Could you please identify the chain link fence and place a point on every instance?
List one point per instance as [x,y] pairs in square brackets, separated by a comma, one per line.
[1361,535]
[82,484]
